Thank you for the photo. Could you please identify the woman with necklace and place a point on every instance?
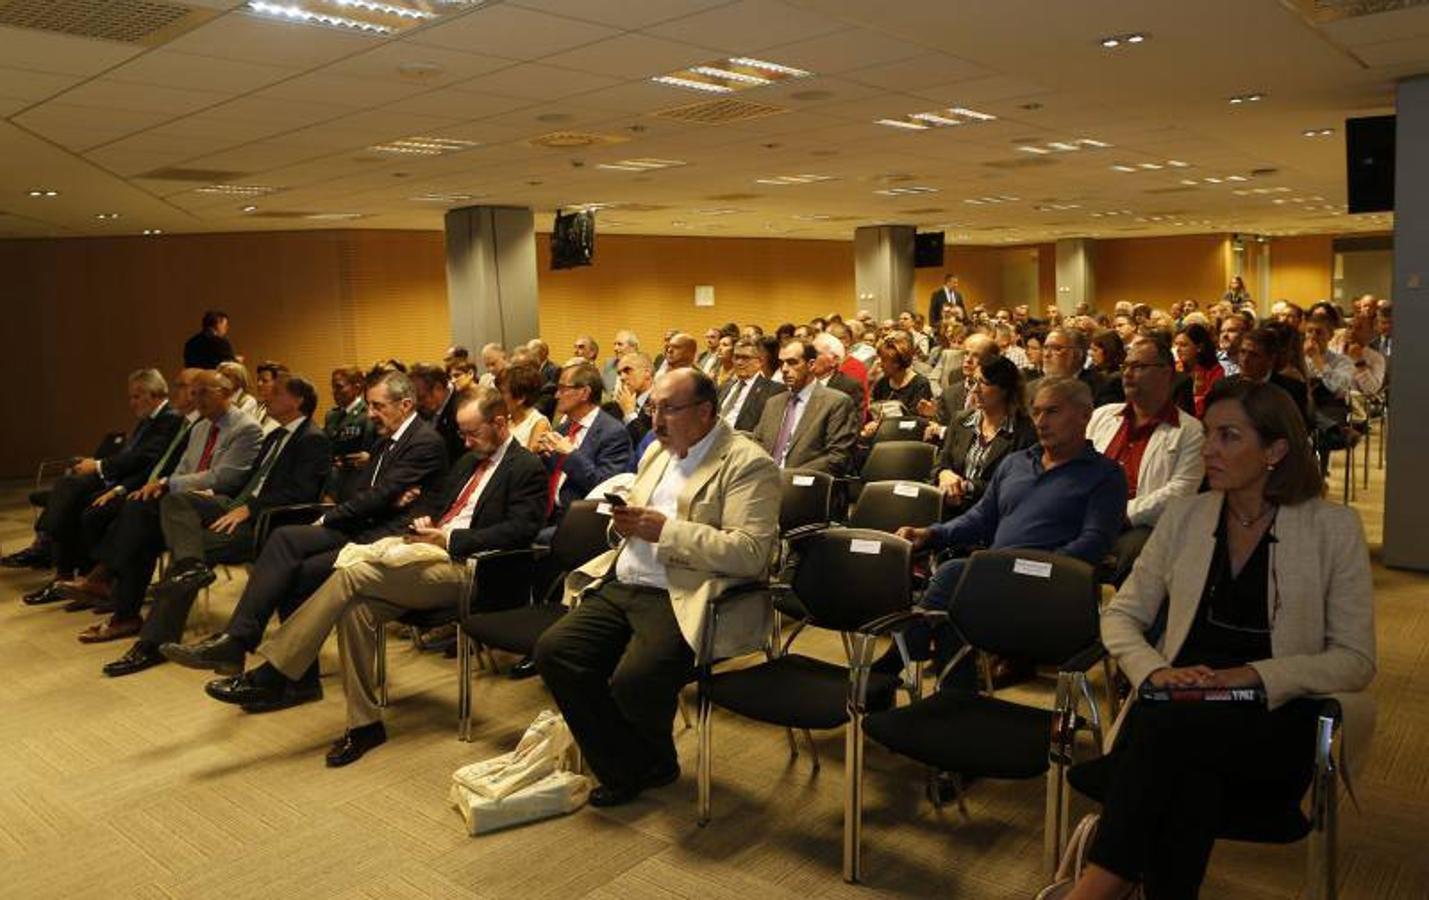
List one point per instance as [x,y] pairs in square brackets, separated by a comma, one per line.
[1266,588]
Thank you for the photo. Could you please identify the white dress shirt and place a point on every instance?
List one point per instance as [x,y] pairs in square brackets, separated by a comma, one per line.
[586,422]
[637,563]
[396,436]
[291,428]
[742,387]
[463,518]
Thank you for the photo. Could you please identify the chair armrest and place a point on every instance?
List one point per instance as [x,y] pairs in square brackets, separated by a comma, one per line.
[278,516]
[724,599]
[1084,659]
[803,531]
[895,620]
[474,562]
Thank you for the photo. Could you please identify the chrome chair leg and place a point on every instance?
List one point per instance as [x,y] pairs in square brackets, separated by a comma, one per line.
[703,763]
[853,799]
[463,687]
[1112,696]
[1322,870]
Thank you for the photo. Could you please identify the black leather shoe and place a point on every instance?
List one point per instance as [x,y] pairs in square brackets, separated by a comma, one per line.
[351,746]
[523,669]
[219,653]
[248,689]
[143,655]
[189,575]
[32,557]
[294,693]
[47,594]
[603,796]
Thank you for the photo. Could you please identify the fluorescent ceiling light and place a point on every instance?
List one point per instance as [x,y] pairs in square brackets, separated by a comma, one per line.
[693,84]
[106,217]
[333,217]
[972,114]
[44,192]
[793,179]
[443,198]
[152,231]
[902,123]
[905,191]
[249,209]
[1318,132]
[728,75]
[642,165]
[718,211]
[937,118]
[424,146]
[1065,146]
[377,17]
[765,65]
[724,76]
[236,190]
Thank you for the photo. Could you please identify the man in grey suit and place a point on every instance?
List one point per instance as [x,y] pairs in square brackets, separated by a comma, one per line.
[222,447]
[742,398]
[809,426]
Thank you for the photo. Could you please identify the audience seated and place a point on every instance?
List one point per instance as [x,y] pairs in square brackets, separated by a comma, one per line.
[237,375]
[520,386]
[1064,355]
[1261,350]
[408,460]
[494,498]
[899,384]
[1157,445]
[1265,586]
[742,398]
[82,503]
[828,370]
[625,342]
[1196,360]
[977,441]
[807,426]
[265,375]
[435,405]
[702,517]
[587,444]
[221,448]
[348,429]
[680,353]
[203,529]
[632,394]
[958,395]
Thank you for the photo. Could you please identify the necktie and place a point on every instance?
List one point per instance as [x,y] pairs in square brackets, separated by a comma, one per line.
[731,402]
[205,458]
[465,496]
[377,463]
[178,439]
[573,429]
[255,484]
[786,430]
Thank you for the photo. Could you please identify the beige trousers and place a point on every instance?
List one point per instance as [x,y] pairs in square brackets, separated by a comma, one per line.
[358,600]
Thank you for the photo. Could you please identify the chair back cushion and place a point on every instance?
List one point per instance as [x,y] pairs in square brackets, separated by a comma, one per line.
[804,498]
[1027,603]
[847,577]
[889,505]
[901,460]
[581,535]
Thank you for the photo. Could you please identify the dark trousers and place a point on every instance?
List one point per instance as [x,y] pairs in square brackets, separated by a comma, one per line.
[1177,767]
[185,519]
[62,521]
[130,550]
[1125,551]
[615,665]
[295,561]
[940,642]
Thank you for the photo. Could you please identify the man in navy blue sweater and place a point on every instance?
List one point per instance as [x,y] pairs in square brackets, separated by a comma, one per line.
[1061,496]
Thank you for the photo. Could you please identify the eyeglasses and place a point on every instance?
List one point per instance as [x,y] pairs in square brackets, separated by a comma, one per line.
[1139,367]
[665,410]
[568,387]
[1056,348]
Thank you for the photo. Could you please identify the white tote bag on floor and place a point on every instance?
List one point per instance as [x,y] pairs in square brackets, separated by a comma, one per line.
[530,783]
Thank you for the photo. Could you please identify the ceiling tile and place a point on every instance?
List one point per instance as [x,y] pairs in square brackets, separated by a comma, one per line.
[42,51]
[748,25]
[382,63]
[81,127]
[101,92]
[918,71]
[843,51]
[32,86]
[632,56]
[536,82]
[251,38]
[633,97]
[170,68]
[339,91]
[621,13]
[460,103]
[509,31]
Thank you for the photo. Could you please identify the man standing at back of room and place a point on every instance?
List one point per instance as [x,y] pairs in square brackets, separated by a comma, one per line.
[943,297]
[210,346]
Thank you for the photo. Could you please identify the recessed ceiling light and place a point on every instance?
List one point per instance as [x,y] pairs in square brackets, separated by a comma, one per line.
[333,217]
[236,190]
[1245,98]
[444,198]
[905,191]
[993,199]
[249,209]
[106,217]
[717,211]
[44,192]
[152,231]
[793,179]
[725,76]
[1113,41]
[1065,146]
[1318,132]
[423,145]
[642,165]
[937,118]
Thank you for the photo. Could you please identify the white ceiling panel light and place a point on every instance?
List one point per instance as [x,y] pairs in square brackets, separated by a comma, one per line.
[992,199]
[642,165]
[725,76]
[106,217]
[444,198]
[938,118]
[1149,166]
[782,180]
[1215,179]
[1113,41]
[1317,132]
[1064,146]
[1242,99]
[44,192]
[424,146]
[376,17]
[906,191]
[236,190]
[153,231]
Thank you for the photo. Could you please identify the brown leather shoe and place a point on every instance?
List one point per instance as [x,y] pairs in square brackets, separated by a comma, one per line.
[111,629]
[84,590]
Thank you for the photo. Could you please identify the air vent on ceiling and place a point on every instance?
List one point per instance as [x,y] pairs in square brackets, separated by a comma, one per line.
[1022,162]
[147,22]
[719,112]
[206,176]
[565,140]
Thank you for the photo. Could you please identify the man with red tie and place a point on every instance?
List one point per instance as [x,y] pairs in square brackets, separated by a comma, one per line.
[494,498]
[587,445]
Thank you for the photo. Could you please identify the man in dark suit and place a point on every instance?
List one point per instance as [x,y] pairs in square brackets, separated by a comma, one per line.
[435,405]
[493,499]
[943,297]
[586,445]
[957,396]
[808,426]
[742,398]
[828,370]
[408,460]
[210,346]
[1064,355]
[637,377]
[60,523]
[203,530]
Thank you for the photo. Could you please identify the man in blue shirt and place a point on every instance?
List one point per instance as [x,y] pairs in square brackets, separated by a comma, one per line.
[1061,496]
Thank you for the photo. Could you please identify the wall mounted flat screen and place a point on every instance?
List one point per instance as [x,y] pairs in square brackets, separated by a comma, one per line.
[573,240]
[1369,160]
[927,249]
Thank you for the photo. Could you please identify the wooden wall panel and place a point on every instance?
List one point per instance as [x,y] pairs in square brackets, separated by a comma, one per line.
[1301,268]
[1160,271]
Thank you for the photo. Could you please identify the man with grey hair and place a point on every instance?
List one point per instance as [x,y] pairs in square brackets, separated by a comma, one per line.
[1064,354]
[493,360]
[542,351]
[408,460]
[828,370]
[625,342]
[1060,495]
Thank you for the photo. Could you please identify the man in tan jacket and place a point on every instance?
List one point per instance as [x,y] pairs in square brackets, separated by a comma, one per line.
[702,517]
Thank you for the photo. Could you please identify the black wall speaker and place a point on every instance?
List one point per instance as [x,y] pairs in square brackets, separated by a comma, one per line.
[1369,161]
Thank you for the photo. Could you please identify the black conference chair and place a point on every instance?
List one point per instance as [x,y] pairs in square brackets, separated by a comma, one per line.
[900,428]
[580,537]
[805,506]
[1022,603]
[847,578]
[901,460]
[889,505]
[1252,818]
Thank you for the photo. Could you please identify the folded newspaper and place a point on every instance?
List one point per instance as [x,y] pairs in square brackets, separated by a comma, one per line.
[530,783]
[389,551]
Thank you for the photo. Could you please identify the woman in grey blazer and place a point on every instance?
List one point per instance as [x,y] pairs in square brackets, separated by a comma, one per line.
[1266,587]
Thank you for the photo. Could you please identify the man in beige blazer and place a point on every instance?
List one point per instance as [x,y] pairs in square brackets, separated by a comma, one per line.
[702,516]
[809,426]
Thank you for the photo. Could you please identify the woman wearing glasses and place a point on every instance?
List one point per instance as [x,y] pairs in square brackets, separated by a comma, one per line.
[1266,587]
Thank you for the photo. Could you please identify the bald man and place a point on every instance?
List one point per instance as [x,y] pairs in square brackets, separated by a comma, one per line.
[681,351]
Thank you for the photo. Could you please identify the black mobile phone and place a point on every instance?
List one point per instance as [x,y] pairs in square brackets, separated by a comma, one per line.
[615,500]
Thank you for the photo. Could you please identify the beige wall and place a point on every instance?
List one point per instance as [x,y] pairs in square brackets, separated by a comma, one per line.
[1160,271]
[1301,268]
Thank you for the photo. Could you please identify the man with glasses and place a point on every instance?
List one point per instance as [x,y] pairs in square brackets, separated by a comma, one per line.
[1157,445]
[809,426]
[742,398]
[1259,349]
[632,394]
[494,498]
[586,446]
[1233,328]
[702,517]
[1064,355]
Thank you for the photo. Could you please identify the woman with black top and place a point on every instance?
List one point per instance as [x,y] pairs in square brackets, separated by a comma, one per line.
[899,382]
[977,442]
[1107,352]
[1266,587]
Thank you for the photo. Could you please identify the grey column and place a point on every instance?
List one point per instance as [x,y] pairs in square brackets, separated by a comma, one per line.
[883,269]
[1406,501]
[491,275]
[1075,278]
